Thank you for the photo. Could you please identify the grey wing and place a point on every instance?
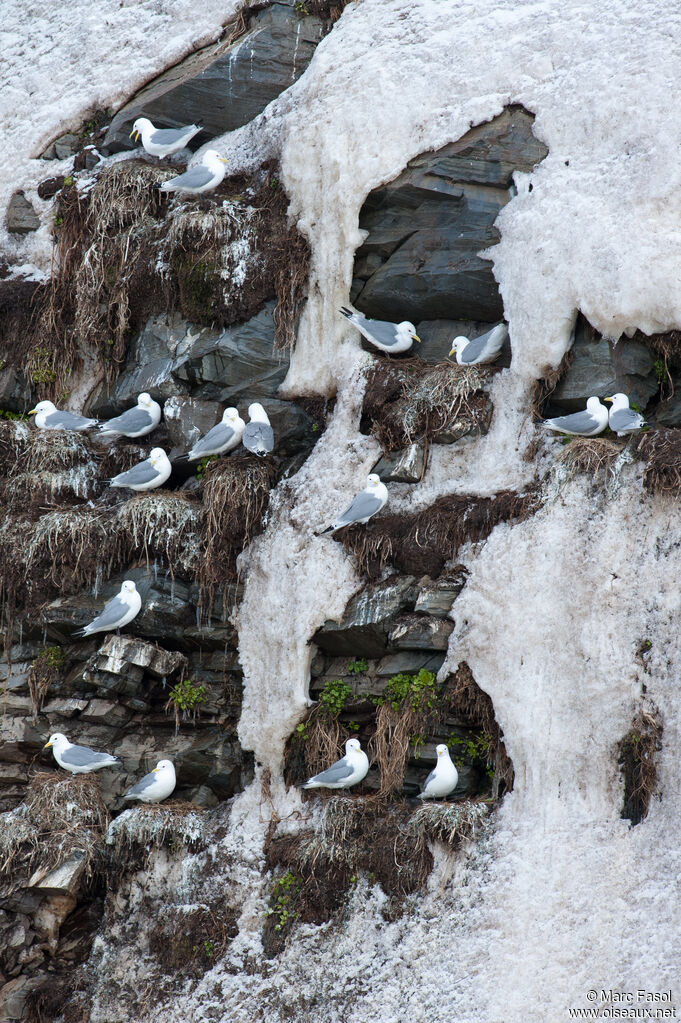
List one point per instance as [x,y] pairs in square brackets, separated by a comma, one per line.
[337,772]
[113,613]
[169,136]
[625,419]
[431,777]
[486,345]
[139,474]
[132,421]
[218,437]
[380,330]
[258,435]
[67,421]
[362,507]
[142,785]
[578,422]
[195,177]
[82,756]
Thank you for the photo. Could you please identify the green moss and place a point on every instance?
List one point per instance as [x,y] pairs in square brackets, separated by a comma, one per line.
[283,901]
[51,657]
[334,696]
[13,416]
[660,370]
[201,465]
[476,751]
[199,283]
[418,691]
[41,368]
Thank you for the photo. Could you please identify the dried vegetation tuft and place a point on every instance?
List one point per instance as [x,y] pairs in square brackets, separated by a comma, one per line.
[638,751]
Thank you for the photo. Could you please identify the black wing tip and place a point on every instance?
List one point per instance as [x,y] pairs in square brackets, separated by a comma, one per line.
[346,312]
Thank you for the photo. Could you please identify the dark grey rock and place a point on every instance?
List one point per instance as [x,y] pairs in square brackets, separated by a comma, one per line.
[21,217]
[668,412]
[15,390]
[602,367]
[436,597]
[63,147]
[226,85]
[427,226]
[405,466]
[420,632]
[410,662]
[188,419]
[48,188]
[368,618]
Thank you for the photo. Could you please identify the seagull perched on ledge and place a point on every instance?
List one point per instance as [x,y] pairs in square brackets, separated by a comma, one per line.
[49,417]
[224,436]
[163,141]
[581,424]
[155,786]
[258,436]
[349,770]
[137,421]
[78,759]
[443,778]
[120,610]
[622,419]
[392,338]
[479,350]
[366,503]
[201,178]
[146,475]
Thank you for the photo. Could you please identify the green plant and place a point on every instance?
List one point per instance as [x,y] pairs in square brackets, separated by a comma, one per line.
[283,899]
[51,657]
[660,369]
[186,696]
[42,370]
[13,416]
[201,467]
[334,696]
[358,667]
[58,221]
[300,732]
[68,182]
[419,691]
[300,7]
[353,726]
[475,751]
[416,741]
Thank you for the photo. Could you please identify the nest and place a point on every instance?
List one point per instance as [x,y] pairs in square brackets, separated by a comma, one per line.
[591,455]
[137,833]
[408,400]
[421,543]
[474,706]
[637,760]
[60,816]
[661,451]
[548,382]
[159,525]
[450,823]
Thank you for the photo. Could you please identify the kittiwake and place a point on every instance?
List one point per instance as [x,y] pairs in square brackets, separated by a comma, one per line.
[581,424]
[388,337]
[201,178]
[120,610]
[155,786]
[443,778]
[258,436]
[78,759]
[622,419]
[137,421]
[146,475]
[49,417]
[221,438]
[347,771]
[163,141]
[365,504]
[485,348]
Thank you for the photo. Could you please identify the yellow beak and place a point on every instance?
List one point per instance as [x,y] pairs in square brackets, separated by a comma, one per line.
[46,745]
[32,412]
[154,770]
[222,158]
[453,351]
[135,133]
[607,399]
[416,338]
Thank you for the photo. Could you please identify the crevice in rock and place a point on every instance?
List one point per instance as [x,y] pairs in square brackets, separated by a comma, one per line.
[637,758]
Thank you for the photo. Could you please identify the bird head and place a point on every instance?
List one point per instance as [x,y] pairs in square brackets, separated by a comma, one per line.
[230,415]
[162,765]
[128,586]
[373,480]
[44,407]
[140,125]
[257,413]
[458,344]
[617,399]
[441,750]
[55,740]
[212,154]
[409,329]
[144,399]
[352,746]
[156,455]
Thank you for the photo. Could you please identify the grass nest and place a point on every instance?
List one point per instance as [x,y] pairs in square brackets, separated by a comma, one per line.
[660,449]
[667,348]
[387,844]
[638,751]
[474,706]
[546,385]
[136,834]
[421,543]
[407,400]
[591,455]
[60,816]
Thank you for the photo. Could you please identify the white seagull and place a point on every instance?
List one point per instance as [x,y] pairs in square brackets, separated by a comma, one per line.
[581,424]
[387,337]
[136,422]
[224,436]
[347,771]
[201,178]
[155,786]
[146,475]
[78,759]
[443,778]
[120,610]
[258,436]
[485,348]
[49,417]
[622,419]
[163,141]
[365,504]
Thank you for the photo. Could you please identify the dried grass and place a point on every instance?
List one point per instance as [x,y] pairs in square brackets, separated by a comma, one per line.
[474,706]
[660,449]
[60,815]
[591,455]
[547,384]
[421,543]
[406,400]
[637,760]
[136,834]
[450,823]
[389,745]
[159,525]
